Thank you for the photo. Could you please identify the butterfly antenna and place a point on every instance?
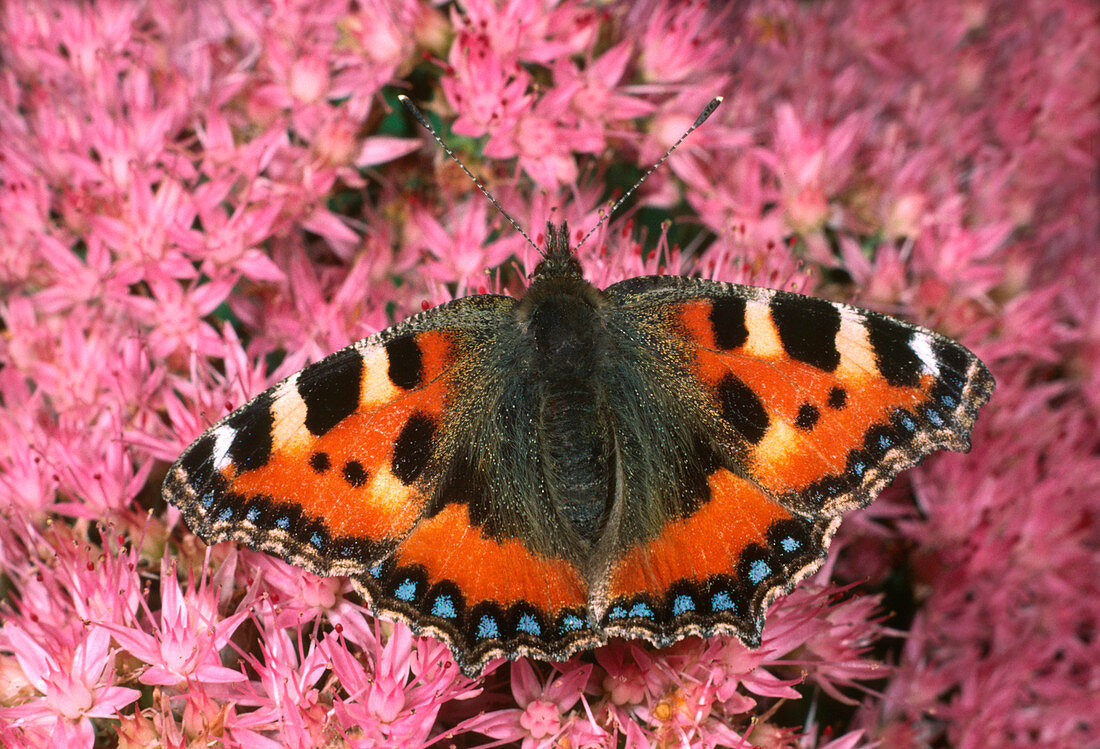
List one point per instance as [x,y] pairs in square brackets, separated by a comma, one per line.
[708,110]
[428,126]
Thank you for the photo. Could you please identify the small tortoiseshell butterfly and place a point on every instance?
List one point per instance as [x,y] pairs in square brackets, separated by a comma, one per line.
[533,476]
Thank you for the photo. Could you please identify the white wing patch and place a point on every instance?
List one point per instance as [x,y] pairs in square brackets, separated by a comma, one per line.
[223,438]
[922,347]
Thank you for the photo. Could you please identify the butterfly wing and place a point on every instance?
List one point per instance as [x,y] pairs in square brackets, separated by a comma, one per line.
[392,461]
[787,411]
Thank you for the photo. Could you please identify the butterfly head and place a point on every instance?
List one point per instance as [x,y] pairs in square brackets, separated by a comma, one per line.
[558,279]
[558,259]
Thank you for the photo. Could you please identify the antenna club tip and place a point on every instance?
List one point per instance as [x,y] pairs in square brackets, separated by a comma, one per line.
[402,98]
[717,99]
[708,110]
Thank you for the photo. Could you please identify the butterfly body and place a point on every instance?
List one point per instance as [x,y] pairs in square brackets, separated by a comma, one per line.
[532,477]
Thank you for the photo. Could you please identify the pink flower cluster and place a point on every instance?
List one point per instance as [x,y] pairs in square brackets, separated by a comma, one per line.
[197,199]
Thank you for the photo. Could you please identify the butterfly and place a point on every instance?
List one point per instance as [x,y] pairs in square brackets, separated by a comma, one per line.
[534,476]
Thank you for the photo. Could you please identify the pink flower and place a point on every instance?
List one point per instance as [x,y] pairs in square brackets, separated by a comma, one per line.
[625,681]
[186,641]
[813,163]
[600,81]
[74,686]
[544,144]
[541,719]
[396,697]
[529,31]
[538,720]
[462,250]
[286,677]
[681,41]
[487,90]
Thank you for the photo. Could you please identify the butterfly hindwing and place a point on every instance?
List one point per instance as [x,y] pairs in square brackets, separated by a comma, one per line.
[713,570]
[798,409]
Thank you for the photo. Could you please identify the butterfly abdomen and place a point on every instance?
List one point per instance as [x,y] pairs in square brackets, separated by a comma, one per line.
[578,455]
[564,328]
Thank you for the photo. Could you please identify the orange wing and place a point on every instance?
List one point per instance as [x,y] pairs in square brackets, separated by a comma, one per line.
[321,469]
[802,409]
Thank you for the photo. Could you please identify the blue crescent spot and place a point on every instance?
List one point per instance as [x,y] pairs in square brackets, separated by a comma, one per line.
[908,423]
[569,623]
[948,401]
[487,628]
[226,513]
[207,500]
[789,544]
[376,570]
[283,522]
[444,607]
[406,591]
[934,417]
[759,570]
[316,540]
[640,609]
[681,604]
[529,624]
[253,514]
[858,468]
[884,441]
[617,613]
[721,601]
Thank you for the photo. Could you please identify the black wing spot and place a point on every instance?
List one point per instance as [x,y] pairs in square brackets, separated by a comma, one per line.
[807,329]
[807,416]
[252,439]
[894,355]
[464,482]
[406,368]
[320,462]
[413,447]
[198,462]
[727,320]
[703,461]
[354,473]
[742,408]
[838,398]
[330,389]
